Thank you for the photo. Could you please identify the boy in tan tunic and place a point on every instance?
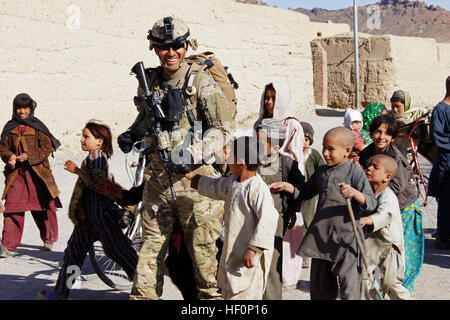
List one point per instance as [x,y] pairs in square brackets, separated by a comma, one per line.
[250,222]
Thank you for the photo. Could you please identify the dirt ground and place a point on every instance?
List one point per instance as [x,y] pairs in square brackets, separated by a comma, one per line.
[30,270]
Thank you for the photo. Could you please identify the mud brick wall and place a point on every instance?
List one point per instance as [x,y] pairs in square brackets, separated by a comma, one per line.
[387,63]
[74,57]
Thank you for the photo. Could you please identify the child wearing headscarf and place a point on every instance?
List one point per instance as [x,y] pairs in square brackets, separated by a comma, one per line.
[407,117]
[26,143]
[370,112]
[353,120]
[276,104]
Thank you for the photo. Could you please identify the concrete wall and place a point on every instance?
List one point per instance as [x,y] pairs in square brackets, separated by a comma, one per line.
[76,73]
[387,63]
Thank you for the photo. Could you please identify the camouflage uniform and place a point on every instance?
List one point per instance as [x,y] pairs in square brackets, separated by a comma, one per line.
[200,217]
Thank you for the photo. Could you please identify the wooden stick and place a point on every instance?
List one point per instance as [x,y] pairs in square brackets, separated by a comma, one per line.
[360,246]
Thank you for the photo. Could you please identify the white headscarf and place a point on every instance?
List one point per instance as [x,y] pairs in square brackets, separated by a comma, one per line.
[283,111]
[283,107]
[350,116]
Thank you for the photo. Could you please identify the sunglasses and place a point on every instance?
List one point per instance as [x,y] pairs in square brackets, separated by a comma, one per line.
[166,46]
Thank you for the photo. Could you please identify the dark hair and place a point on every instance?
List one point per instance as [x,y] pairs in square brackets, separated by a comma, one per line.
[101,131]
[268,87]
[308,131]
[393,99]
[389,120]
[252,148]
[389,163]
[23,100]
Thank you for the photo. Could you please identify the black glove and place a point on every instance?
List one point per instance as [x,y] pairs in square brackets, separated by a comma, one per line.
[125,141]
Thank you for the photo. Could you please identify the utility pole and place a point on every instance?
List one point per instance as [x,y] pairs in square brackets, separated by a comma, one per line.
[355,28]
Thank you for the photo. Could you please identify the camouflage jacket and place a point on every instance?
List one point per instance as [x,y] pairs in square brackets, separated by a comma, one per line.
[210,112]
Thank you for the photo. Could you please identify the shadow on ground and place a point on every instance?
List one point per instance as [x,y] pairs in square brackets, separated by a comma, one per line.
[26,251]
[85,294]
[303,285]
[17,287]
[20,287]
[436,257]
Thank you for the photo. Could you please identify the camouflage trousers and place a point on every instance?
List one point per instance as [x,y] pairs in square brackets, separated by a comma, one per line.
[201,221]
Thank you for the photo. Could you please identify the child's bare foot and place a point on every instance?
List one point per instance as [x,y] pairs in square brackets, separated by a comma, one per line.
[6,253]
[47,247]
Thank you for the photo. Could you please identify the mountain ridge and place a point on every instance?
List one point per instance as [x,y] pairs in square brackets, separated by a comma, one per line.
[397,17]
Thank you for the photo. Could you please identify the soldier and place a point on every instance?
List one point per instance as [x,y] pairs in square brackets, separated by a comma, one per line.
[199,216]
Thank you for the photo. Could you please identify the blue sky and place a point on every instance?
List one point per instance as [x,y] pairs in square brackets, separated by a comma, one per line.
[338,4]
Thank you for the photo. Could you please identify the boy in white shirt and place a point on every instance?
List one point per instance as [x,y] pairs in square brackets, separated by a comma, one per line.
[250,221]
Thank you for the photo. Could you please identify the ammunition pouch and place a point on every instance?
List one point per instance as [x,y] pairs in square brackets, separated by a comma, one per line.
[163,140]
[173,105]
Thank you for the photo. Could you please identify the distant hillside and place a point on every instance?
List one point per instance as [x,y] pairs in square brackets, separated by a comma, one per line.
[398,17]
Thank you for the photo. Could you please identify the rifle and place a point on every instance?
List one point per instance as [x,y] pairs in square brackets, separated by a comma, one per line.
[154,114]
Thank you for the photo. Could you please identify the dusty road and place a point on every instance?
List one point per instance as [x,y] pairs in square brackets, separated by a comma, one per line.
[31,270]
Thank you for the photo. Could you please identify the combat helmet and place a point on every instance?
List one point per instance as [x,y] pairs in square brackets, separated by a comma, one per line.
[170,30]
